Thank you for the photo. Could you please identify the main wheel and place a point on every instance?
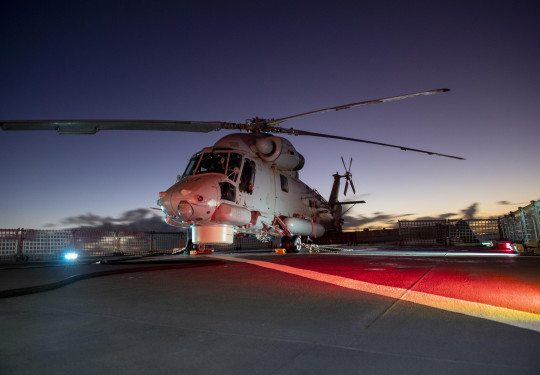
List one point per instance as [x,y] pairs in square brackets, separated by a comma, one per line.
[296,244]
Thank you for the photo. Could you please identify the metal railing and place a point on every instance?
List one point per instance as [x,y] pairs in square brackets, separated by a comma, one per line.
[522,225]
[31,244]
[449,232]
[9,243]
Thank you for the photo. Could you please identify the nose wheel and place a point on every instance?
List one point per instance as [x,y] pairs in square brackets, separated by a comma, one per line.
[291,244]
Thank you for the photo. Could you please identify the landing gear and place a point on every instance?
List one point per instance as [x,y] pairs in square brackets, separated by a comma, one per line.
[291,244]
[189,246]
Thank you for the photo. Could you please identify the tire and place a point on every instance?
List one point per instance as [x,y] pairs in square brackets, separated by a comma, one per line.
[295,244]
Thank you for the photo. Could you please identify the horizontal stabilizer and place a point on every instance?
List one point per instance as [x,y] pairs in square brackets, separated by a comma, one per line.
[350,202]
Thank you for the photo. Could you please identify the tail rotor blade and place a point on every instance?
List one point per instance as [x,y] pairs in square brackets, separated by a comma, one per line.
[346,187]
[343,161]
[352,187]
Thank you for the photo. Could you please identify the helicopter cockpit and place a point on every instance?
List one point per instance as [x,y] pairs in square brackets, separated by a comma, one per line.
[222,162]
[228,163]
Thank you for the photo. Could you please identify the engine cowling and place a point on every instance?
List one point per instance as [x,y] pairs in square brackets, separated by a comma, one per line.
[280,152]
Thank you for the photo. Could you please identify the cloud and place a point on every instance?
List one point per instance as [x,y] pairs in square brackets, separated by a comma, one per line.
[378,219]
[438,217]
[381,219]
[470,212]
[141,219]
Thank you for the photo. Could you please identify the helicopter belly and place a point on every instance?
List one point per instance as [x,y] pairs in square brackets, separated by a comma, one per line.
[212,234]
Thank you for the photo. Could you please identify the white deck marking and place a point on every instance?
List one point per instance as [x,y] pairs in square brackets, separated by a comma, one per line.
[498,314]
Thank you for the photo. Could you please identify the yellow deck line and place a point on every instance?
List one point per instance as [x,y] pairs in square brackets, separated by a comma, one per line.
[498,314]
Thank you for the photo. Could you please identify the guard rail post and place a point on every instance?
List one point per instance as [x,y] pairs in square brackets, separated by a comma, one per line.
[536,220]
[524,225]
[19,256]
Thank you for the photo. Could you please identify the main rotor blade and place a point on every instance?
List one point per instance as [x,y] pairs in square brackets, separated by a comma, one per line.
[93,126]
[347,106]
[302,132]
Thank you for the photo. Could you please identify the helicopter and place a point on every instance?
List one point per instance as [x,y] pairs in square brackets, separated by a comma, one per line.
[246,183]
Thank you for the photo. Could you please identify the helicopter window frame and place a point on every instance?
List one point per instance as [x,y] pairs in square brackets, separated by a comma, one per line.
[192,165]
[232,174]
[247,176]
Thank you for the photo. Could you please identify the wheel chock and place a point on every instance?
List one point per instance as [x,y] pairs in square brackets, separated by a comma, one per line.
[199,252]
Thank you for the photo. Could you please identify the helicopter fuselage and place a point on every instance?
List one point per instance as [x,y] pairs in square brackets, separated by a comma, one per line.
[245,183]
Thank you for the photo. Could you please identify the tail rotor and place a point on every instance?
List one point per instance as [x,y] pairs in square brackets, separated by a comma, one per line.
[348,177]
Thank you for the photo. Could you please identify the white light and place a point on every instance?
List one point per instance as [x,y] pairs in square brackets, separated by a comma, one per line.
[71,256]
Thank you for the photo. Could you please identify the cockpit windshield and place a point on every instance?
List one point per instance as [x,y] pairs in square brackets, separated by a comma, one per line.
[215,162]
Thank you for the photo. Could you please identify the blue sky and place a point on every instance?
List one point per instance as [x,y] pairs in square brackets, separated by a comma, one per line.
[229,61]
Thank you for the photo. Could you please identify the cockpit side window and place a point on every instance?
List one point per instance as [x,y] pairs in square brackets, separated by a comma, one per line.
[213,162]
[228,191]
[192,164]
[247,178]
[284,183]
[233,168]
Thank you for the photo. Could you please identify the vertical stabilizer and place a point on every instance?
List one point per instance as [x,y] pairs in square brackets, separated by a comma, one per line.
[333,201]
[335,190]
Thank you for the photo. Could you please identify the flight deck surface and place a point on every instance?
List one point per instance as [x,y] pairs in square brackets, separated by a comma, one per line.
[363,311]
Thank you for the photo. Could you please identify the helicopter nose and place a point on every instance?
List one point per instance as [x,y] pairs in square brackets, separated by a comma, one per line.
[174,204]
[192,200]
[164,202]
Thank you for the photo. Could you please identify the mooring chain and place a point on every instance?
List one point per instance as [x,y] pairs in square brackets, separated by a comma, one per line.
[321,248]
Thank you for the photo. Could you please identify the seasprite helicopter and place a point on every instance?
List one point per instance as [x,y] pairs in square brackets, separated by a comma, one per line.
[246,182]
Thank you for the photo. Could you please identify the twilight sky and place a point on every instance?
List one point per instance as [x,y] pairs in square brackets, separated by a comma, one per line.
[229,61]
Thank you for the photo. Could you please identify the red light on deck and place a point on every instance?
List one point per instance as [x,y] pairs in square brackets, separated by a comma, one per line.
[507,247]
